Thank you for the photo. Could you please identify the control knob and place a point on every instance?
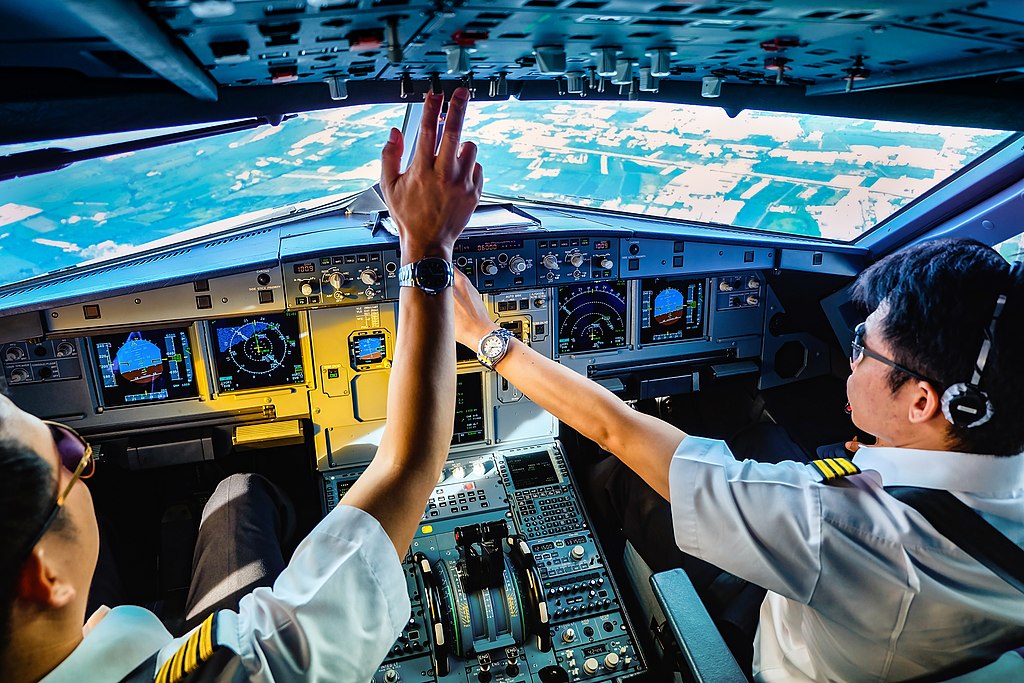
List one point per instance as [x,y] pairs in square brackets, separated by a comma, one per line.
[753,283]
[517,264]
[590,666]
[752,300]
[603,262]
[550,261]
[391,676]
[611,661]
[338,279]
[263,279]
[65,349]
[306,289]
[577,553]
[488,267]
[725,286]
[14,353]
[368,276]
[575,259]
[20,375]
[568,635]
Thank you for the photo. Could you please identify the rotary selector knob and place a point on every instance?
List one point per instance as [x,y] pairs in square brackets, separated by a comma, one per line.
[20,375]
[603,262]
[337,279]
[459,471]
[568,635]
[724,286]
[14,353]
[370,292]
[368,276]
[590,666]
[753,283]
[611,661]
[306,289]
[577,553]
[752,300]
[550,261]
[391,676]
[488,268]
[65,349]
[517,264]
[575,259]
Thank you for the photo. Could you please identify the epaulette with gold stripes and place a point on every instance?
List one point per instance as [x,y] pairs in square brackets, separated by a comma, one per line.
[197,650]
[835,468]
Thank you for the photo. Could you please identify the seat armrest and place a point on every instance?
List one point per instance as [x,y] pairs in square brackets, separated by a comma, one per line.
[703,649]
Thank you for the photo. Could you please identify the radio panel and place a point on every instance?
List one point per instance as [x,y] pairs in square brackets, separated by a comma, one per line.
[506,579]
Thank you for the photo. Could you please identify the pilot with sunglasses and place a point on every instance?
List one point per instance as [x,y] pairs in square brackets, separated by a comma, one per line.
[859,585]
[341,601]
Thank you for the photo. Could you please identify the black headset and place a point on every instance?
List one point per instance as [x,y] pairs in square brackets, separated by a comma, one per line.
[964,404]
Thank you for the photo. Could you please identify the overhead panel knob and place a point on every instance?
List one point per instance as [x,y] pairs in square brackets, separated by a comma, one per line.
[590,666]
[577,552]
[611,661]
[568,635]
[517,264]
[725,286]
[550,59]
[606,57]
[661,61]
[753,283]
[550,261]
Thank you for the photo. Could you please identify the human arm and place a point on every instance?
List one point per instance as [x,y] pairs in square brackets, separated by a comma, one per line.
[430,203]
[644,443]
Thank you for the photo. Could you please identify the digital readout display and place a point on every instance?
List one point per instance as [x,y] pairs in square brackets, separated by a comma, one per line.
[531,469]
[304,268]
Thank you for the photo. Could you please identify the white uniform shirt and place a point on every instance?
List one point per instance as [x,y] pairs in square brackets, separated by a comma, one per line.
[332,615]
[861,587]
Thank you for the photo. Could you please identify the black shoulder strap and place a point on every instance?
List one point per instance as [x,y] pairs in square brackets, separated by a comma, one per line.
[967,529]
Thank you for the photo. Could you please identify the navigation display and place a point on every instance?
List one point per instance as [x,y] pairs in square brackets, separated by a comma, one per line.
[591,317]
[144,366]
[671,309]
[531,469]
[469,408]
[256,352]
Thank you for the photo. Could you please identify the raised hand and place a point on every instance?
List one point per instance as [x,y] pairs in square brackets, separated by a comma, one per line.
[432,201]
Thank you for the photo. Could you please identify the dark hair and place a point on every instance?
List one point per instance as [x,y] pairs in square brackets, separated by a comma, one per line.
[27,486]
[941,295]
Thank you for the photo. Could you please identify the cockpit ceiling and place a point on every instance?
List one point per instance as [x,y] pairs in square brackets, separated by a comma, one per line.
[926,60]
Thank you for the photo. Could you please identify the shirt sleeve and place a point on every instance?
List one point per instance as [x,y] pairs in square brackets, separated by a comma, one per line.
[334,611]
[759,521]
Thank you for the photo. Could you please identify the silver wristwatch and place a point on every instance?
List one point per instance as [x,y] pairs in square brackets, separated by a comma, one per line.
[431,274]
[493,347]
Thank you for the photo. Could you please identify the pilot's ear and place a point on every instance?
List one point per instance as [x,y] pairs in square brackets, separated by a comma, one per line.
[926,403]
[39,582]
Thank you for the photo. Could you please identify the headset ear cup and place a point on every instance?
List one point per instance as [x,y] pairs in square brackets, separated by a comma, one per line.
[966,406]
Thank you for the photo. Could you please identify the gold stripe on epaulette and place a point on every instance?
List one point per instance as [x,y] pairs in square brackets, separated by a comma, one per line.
[191,655]
[834,468]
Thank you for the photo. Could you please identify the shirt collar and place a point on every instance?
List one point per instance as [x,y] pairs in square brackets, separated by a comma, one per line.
[122,640]
[945,470]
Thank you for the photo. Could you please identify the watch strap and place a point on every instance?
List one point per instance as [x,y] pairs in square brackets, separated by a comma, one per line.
[408,275]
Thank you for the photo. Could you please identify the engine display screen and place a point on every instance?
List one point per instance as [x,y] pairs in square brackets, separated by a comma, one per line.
[531,469]
[591,317]
[256,352]
[145,366]
[671,309]
[469,409]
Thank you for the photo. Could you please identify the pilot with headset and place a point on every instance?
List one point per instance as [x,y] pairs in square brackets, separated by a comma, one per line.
[860,584]
[341,601]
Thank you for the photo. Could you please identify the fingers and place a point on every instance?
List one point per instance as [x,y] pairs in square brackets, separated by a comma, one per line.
[391,159]
[453,128]
[478,179]
[467,160]
[426,143]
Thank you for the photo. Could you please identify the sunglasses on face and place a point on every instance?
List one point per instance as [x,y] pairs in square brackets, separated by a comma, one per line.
[75,456]
[858,351]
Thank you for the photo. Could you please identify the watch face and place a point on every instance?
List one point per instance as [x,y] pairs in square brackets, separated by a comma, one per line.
[432,273]
[493,346]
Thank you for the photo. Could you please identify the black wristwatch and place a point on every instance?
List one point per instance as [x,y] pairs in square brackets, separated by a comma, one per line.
[493,347]
[431,274]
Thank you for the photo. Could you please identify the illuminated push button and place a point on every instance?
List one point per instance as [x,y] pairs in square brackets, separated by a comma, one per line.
[611,661]
[568,635]
[590,666]
[577,553]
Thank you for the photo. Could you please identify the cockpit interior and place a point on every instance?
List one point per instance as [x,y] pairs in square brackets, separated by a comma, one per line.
[198,271]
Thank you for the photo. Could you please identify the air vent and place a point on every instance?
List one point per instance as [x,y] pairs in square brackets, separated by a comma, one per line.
[237,238]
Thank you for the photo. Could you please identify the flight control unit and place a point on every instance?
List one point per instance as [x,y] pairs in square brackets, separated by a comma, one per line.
[507,580]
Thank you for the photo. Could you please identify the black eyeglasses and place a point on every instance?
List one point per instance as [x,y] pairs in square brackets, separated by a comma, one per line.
[75,456]
[858,351]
